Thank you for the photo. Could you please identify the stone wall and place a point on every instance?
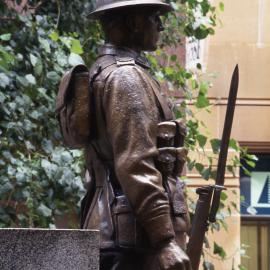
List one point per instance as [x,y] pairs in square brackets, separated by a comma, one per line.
[40,249]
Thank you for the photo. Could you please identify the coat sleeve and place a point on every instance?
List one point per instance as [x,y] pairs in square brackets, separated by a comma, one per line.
[131,119]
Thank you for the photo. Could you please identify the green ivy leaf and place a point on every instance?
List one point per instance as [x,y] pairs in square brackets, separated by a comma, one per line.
[38,68]
[47,146]
[233,144]
[66,157]
[75,59]
[61,58]
[31,79]
[169,70]
[201,32]
[219,251]
[5,189]
[215,143]
[5,37]
[76,47]
[201,140]
[49,168]
[67,41]
[221,6]
[2,96]
[33,59]
[223,196]
[4,80]
[252,157]
[246,171]
[199,167]
[44,210]
[53,77]
[230,168]
[173,57]
[202,101]
[199,66]
[45,44]
[194,84]
[191,164]
[211,31]
[206,173]
[251,163]
[204,88]
[29,145]
[54,36]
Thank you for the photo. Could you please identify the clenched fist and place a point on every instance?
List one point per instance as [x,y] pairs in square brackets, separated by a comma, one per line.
[172,257]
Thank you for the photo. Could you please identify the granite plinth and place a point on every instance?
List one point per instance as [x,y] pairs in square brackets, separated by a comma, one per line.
[38,249]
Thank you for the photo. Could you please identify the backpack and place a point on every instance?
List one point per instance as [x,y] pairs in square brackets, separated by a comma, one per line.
[73,107]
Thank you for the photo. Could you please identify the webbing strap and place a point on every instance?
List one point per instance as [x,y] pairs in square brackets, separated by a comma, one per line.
[161,100]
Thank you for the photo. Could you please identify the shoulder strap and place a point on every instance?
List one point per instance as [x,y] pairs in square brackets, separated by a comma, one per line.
[102,64]
[167,113]
[164,105]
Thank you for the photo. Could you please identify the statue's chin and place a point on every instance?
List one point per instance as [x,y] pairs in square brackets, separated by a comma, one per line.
[150,48]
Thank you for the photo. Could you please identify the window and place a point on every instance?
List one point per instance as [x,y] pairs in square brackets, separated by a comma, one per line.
[255,214]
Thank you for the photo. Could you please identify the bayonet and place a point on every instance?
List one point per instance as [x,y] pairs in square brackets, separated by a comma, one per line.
[222,160]
[209,196]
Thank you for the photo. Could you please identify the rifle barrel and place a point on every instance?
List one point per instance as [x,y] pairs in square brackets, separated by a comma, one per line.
[199,226]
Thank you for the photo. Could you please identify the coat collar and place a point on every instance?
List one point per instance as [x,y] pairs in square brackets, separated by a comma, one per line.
[109,49]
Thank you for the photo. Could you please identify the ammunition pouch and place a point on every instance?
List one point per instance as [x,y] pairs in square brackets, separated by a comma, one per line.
[128,232]
[172,155]
[170,162]
[171,134]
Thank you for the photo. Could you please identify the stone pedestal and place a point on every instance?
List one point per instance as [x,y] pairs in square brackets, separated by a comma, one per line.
[38,249]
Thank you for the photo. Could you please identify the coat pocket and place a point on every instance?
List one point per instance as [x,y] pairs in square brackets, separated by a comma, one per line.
[179,204]
[128,232]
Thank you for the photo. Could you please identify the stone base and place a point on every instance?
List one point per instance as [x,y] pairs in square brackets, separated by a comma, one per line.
[38,249]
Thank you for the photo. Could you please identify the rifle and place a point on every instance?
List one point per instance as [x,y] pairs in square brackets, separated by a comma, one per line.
[209,196]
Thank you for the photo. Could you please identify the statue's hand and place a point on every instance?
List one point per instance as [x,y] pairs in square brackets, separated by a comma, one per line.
[172,257]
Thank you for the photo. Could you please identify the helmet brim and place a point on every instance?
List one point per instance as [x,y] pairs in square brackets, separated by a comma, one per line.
[162,7]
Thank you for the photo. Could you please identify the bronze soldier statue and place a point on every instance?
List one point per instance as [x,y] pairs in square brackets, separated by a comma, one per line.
[136,150]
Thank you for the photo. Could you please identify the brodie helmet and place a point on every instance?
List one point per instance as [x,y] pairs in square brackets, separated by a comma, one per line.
[107,5]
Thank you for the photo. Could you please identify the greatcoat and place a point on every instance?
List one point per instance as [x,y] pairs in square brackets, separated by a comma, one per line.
[125,187]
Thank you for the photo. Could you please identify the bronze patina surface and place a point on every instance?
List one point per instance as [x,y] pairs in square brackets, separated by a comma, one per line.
[134,197]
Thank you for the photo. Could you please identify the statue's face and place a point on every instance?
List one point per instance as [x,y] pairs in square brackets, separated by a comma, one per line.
[153,27]
[149,26]
[137,29]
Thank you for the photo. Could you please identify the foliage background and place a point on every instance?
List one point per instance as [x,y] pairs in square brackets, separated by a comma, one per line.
[40,179]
